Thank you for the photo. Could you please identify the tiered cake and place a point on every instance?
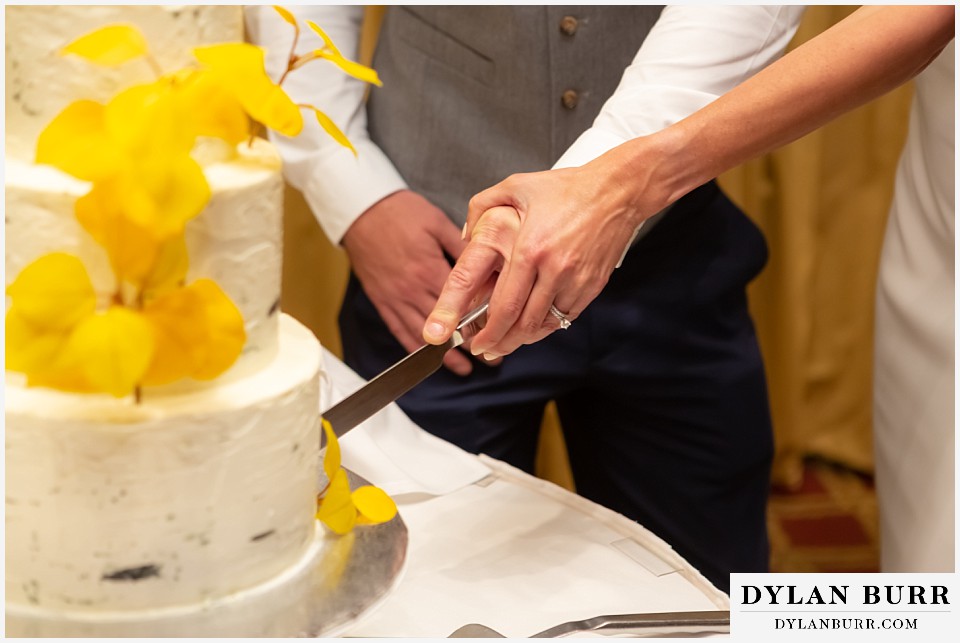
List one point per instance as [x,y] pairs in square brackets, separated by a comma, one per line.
[191,510]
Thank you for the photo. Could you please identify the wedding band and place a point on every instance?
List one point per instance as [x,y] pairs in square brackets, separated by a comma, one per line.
[564,322]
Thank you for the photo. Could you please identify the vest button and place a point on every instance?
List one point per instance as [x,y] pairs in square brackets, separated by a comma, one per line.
[570,98]
[568,25]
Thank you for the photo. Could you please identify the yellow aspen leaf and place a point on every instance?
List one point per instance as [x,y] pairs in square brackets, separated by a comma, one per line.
[137,256]
[70,379]
[169,268]
[131,248]
[156,196]
[163,194]
[110,46]
[240,68]
[76,142]
[225,334]
[176,318]
[374,505]
[331,128]
[328,43]
[41,356]
[286,15]
[331,457]
[115,348]
[30,349]
[200,333]
[210,109]
[53,292]
[278,112]
[144,121]
[358,71]
[336,508]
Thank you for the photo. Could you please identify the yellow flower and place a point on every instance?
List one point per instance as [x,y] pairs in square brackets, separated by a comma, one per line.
[199,333]
[114,347]
[110,46]
[56,337]
[338,507]
[239,68]
[76,142]
[331,128]
[49,298]
[53,292]
[208,107]
[331,53]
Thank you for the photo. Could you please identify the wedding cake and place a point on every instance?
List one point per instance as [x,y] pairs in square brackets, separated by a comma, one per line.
[188,508]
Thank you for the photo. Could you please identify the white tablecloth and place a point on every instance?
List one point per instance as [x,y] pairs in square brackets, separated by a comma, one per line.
[490,544]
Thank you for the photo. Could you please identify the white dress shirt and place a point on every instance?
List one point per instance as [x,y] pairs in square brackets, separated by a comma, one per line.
[691,56]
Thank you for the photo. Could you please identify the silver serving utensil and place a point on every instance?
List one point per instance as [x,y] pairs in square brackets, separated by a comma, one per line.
[399,378]
[662,623]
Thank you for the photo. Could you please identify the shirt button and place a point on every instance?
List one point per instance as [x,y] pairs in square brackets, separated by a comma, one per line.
[568,25]
[570,98]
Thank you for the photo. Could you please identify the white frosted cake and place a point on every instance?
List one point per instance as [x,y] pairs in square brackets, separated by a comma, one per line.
[188,511]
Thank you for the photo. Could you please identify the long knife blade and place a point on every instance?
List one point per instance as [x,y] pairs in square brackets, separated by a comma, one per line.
[399,378]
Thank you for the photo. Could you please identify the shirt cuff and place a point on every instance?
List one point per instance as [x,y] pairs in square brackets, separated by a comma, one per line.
[342,186]
[591,144]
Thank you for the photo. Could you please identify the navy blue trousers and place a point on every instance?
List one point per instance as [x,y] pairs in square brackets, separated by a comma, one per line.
[659,385]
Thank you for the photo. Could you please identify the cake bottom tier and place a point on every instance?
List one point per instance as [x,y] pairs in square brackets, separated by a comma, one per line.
[180,500]
[282,606]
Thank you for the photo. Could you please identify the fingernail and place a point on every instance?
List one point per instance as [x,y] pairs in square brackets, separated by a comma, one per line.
[435,330]
[463,232]
[476,350]
[490,356]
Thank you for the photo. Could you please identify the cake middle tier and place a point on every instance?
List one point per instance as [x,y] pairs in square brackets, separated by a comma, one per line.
[183,498]
[237,240]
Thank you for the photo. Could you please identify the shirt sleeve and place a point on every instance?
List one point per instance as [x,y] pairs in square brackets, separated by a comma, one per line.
[337,185]
[692,55]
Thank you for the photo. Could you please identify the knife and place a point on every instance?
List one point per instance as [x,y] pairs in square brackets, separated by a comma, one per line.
[399,378]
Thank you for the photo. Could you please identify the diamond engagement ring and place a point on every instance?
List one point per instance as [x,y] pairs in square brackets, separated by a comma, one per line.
[564,322]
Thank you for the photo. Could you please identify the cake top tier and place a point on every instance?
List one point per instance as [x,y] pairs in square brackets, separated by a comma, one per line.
[40,82]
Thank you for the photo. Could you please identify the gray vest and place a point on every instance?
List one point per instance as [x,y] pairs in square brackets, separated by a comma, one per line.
[472,94]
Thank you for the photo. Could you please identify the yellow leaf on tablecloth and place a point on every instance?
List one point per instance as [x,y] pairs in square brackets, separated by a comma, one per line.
[331,456]
[241,70]
[331,128]
[286,15]
[76,142]
[115,348]
[374,505]
[53,292]
[110,46]
[336,508]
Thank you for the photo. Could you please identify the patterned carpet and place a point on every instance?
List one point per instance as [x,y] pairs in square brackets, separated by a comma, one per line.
[829,524]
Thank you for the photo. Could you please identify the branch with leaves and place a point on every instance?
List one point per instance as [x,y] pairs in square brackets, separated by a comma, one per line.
[135,152]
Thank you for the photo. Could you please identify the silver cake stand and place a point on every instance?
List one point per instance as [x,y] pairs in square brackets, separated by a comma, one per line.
[342,579]
[357,571]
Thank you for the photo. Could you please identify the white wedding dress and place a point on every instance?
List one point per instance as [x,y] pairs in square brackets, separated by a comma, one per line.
[914,359]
